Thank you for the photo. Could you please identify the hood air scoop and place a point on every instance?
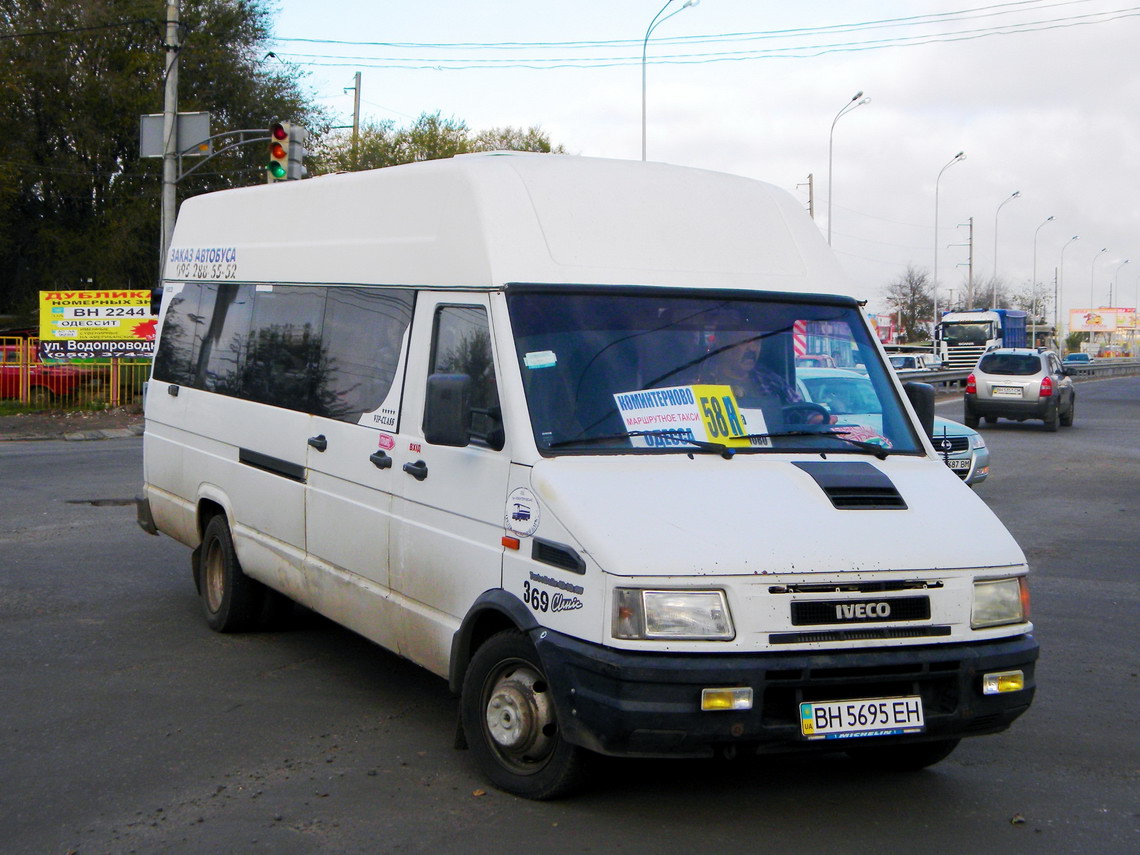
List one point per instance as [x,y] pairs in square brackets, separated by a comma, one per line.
[854,485]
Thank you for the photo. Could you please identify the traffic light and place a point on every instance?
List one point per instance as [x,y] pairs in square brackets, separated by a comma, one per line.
[277,169]
[296,150]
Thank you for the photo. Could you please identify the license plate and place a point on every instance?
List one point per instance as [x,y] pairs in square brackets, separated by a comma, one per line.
[1007,391]
[865,717]
[958,464]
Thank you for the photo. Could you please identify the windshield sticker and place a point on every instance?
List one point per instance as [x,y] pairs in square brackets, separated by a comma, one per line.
[521,515]
[540,359]
[680,415]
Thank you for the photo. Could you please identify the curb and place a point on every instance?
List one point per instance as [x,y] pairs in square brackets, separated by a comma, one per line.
[81,436]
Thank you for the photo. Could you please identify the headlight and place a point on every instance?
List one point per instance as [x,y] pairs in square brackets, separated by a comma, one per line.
[640,614]
[978,441]
[1000,601]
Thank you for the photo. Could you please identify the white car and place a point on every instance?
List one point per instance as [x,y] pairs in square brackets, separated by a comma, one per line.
[846,393]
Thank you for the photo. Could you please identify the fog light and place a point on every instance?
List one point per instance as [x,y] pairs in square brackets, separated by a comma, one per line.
[726,699]
[1003,681]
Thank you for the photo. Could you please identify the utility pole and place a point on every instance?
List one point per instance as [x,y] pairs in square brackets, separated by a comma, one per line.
[970,278]
[355,120]
[811,194]
[170,130]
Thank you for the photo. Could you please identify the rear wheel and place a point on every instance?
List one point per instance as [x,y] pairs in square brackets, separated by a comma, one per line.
[1067,418]
[231,601]
[510,724]
[970,418]
[1053,419]
[903,758]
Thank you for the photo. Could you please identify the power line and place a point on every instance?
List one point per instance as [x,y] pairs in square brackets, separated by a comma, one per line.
[914,20]
[65,31]
[788,52]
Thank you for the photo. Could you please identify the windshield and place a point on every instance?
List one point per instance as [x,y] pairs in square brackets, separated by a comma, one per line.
[665,370]
[975,333]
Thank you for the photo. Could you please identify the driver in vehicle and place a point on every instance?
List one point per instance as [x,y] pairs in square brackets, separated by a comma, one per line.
[734,361]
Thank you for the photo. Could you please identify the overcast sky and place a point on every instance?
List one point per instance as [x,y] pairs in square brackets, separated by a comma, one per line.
[1043,97]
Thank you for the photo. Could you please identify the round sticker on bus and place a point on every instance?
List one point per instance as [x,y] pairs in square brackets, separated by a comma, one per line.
[521,514]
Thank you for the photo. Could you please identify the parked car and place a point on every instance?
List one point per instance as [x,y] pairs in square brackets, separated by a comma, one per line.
[850,396]
[45,382]
[1077,359]
[914,362]
[1019,384]
[815,360]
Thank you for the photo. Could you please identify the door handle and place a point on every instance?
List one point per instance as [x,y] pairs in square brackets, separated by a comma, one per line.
[319,442]
[417,470]
[380,460]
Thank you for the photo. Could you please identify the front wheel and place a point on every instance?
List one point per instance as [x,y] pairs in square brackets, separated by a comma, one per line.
[907,757]
[510,724]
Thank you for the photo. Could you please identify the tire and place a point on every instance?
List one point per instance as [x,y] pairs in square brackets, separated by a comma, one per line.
[41,398]
[991,420]
[1067,418]
[231,601]
[970,419]
[1053,419]
[907,757]
[510,725]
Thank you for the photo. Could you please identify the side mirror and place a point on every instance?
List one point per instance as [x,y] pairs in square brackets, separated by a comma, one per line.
[921,397]
[447,410]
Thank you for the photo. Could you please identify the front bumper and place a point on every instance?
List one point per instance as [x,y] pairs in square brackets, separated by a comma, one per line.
[648,704]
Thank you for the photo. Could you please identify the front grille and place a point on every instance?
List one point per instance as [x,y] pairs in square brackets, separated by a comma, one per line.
[807,612]
[831,636]
[957,444]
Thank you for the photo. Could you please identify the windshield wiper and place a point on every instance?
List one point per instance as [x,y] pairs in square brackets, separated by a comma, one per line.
[870,447]
[711,447]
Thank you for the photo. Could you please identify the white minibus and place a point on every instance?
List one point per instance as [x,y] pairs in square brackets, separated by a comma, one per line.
[532,422]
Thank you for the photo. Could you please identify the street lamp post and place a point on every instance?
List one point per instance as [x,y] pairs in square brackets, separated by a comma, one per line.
[847,108]
[1014,195]
[1033,289]
[1092,278]
[1116,281]
[654,24]
[960,156]
[1061,283]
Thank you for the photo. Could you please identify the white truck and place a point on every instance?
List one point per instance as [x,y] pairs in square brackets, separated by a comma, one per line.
[467,409]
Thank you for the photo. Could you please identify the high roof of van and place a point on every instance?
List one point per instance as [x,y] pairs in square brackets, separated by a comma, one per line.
[487,220]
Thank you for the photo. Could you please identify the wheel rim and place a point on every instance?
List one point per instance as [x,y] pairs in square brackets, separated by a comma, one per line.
[519,717]
[213,581]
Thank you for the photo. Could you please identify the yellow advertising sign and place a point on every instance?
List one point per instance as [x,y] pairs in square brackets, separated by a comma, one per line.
[86,324]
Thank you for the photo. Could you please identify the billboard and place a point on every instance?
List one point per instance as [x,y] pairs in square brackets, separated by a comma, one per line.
[85,324]
[1106,320]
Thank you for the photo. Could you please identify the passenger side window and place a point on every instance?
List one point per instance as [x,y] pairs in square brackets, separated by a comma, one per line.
[363,340]
[462,345]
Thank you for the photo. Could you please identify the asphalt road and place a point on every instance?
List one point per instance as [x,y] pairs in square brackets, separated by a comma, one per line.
[127,726]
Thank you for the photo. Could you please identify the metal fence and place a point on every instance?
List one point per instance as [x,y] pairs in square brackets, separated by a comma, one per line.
[28,382]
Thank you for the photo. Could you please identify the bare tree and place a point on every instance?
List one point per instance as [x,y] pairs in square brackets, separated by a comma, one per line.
[910,297]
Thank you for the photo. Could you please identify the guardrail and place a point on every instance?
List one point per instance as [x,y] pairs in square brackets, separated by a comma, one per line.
[951,382]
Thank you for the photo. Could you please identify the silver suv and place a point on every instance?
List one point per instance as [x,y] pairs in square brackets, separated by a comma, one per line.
[1020,383]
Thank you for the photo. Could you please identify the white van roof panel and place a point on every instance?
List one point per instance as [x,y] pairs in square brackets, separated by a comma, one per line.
[486,220]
